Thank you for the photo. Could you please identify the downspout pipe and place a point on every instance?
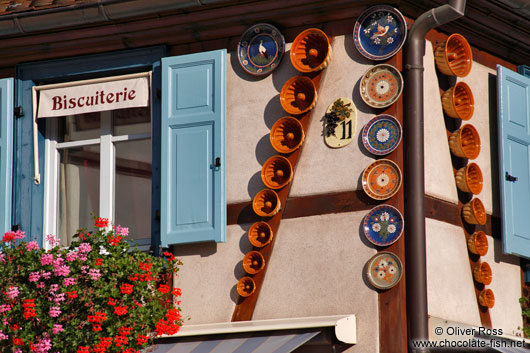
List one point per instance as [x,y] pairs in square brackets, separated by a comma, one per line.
[417,314]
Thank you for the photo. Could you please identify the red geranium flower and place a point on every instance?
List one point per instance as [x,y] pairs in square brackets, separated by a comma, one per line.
[170,256]
[142,339]
[115,240]
[120,310]
[101,222]
[120,340]
[112,301]
[124,331]
[164,288]
[126,288]
[18,341]
[9,236]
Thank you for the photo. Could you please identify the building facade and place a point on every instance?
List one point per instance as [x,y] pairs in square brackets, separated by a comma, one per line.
[183,167]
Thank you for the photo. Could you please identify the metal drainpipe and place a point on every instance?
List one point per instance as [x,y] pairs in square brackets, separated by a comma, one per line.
[417,314]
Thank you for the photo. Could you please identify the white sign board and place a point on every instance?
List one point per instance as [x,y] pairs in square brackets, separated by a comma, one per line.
[95,97]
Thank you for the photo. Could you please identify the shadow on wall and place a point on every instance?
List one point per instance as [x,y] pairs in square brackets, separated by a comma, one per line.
[203,249]
[271,113]
[238,70]
[494,143]
[498,256]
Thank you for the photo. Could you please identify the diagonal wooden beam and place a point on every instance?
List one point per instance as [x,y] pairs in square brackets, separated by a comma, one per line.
[245,306]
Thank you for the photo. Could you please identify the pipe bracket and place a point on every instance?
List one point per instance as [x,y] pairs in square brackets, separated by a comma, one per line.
[409,67]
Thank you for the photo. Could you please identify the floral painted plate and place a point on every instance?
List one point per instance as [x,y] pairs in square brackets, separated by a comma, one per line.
[382,134]
[380,32]
[384,270]
[383,225]
[260,49]
[381,86]
[382,179]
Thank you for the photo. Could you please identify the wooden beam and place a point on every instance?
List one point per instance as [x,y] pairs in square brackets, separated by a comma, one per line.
[393,302]
[187,31]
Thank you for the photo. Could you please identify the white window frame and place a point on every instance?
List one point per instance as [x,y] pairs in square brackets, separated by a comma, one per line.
[107,172]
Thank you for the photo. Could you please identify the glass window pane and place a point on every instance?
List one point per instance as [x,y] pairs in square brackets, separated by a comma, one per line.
[132,207]
[131,121]
[79,127]
[78,190]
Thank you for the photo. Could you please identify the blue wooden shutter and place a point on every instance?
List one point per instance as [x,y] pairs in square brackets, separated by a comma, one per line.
[6,153]
[524,70]
[513,102]
[193,206]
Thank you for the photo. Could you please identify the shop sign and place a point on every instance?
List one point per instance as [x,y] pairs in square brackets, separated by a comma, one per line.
[95,97]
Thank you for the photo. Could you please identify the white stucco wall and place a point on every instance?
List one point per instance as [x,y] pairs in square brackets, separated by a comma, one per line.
[253,106]
[451,293]
[347,164]
[439,177]
[450,288]
[209,274]
[506,285]
[317,264]
[317,269]
[485,121]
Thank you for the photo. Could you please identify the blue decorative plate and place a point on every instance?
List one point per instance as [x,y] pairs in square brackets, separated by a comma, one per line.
[380,32]
[383,225]
[384,270]
[260,49]
[382,134]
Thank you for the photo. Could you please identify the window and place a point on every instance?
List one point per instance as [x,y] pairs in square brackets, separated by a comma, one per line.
[92,161]
[76,148]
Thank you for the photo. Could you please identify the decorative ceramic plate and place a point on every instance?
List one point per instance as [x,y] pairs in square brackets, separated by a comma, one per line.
[260,49]
[381,179]
[383,225]
[340,123]
[384,270]
[381,86]
[380,32]
[382,134]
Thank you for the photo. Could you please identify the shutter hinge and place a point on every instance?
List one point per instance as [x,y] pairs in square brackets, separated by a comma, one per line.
[158,93]
[157,215]
[18,111]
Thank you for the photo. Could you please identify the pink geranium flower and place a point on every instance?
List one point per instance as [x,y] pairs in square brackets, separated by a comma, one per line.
[55,311]
[46,259]
[32,245]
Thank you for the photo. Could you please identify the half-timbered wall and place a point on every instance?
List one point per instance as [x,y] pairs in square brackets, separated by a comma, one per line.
[318,261]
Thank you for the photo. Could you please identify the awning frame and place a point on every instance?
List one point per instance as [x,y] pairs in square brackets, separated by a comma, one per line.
[345,326]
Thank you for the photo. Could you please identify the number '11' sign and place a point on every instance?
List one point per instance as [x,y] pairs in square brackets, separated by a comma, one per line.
[345,129]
